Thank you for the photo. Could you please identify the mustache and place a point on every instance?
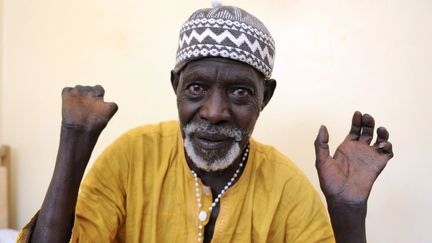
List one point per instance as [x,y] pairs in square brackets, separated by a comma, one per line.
[224,130]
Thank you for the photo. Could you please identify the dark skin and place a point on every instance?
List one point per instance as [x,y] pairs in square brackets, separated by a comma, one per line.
[347,177]
[220,98]
[84,116]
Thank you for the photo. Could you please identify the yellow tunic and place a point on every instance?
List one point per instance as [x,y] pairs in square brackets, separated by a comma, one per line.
[141,190]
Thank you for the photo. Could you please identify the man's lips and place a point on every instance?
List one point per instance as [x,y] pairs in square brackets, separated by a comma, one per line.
[211,141]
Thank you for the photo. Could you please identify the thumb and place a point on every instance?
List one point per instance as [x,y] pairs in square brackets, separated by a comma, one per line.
[321,146]
[112,109]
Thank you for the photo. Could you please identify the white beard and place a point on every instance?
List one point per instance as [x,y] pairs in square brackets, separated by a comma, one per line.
[215,165]
[208,162]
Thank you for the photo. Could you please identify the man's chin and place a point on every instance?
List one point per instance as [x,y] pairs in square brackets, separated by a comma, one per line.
[212,156]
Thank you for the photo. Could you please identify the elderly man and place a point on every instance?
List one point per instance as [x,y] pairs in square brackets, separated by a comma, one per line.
[204,179]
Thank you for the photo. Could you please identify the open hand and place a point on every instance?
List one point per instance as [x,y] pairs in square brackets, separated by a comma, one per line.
[348,176]
[83,108]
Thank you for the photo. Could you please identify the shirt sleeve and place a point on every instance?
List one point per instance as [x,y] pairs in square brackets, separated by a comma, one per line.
[100,209]
[25,233]
[307,220]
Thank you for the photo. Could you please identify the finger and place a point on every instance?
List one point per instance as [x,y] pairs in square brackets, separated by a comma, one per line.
[321,146]
[386,148]
[84,90]
[368,126]
[98,91]
[354,133]
[382,136]
[79,88]
[112,108]
[66,90]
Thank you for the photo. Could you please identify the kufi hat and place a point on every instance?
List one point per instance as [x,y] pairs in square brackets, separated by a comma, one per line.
[228,32]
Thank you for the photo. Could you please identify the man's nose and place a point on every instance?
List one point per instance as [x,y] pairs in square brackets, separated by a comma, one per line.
[215,108]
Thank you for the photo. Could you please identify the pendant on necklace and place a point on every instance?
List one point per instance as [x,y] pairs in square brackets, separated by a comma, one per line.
[202,216]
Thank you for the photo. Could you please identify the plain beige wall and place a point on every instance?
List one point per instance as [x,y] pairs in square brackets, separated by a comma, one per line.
[333,57]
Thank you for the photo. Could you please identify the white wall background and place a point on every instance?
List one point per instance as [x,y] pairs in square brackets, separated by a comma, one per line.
[333,57]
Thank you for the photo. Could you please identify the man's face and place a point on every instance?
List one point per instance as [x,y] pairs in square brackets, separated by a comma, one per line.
[219,101]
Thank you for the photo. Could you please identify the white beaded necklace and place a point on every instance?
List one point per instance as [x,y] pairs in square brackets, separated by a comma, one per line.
[202,216]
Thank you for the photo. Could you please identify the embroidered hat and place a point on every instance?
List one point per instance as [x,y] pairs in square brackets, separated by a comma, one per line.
[228,32]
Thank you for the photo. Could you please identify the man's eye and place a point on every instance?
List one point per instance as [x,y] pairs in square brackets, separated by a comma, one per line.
[241,92]
[195,89]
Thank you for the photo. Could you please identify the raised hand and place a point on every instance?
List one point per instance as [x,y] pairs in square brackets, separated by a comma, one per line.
[348,176]
[85,115]
[83,108]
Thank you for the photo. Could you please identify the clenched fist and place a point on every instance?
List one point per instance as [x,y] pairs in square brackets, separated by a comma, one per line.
[83,108]
[85,115]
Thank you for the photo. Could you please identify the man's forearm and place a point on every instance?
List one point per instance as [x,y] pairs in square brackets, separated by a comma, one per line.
[348,221]
[56,216]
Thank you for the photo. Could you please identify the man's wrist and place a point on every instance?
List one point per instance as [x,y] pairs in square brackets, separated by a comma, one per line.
[348,220]
[76,146]
[340,202]
[80,129]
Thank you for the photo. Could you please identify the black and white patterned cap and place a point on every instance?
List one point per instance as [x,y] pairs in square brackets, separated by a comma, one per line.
[228,32]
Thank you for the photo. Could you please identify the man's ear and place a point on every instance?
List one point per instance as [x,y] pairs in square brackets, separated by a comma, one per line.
[175,77]
[269,88]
